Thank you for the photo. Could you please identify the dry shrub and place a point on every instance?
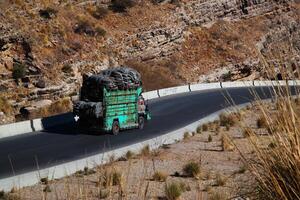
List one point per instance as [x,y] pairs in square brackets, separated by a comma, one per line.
[154,75]
[220,181]
[262,122]
[160,176]
[111,178]
[98,12]
[5,106]
[192,169]
[227,144]
[129,155]
[146,150]
[228,119]
[209,139]
[186,135]
[173,191]
[277,167]
[60,106]
[205,127]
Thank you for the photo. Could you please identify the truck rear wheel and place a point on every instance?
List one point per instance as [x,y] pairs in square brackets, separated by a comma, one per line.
[115,128]
[141,122]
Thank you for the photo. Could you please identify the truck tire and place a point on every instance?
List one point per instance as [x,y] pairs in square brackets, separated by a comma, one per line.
[141,122]
[115,128]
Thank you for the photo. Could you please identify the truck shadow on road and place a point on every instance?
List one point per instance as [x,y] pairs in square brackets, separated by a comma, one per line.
[64,124]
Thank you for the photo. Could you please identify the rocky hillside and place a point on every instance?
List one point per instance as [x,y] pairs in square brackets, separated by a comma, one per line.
[46,46]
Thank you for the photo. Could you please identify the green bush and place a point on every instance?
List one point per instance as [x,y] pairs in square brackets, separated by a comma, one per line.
[121,5]
[19,71]
[191,169]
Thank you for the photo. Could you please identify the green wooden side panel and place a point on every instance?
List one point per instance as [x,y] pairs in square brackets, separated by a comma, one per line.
[121,105]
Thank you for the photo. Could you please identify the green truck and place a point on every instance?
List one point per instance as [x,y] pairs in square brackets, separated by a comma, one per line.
[110,108]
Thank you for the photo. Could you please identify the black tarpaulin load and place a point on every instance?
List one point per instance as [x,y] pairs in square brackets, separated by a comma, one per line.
[88,109]
[116,78]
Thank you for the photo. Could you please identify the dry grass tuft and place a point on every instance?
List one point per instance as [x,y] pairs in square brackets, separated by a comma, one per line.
[276,162]
[173,191]
[160,176]
[5,106]
[146,151]
[262,122]
[227,144]
[192,169]
[205,127]
[129,155]
[228,119]
[220,180]
[209,139]
[186,135]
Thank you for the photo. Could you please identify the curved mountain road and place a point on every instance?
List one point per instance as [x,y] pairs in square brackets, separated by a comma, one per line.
[57,145]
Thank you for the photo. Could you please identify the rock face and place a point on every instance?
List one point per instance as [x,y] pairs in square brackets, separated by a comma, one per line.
[161,41]
[189,41]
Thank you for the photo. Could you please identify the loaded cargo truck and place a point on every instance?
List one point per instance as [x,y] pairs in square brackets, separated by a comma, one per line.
[112,101]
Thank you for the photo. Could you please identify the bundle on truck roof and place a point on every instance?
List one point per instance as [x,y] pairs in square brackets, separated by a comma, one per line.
[112,100]
[120,78]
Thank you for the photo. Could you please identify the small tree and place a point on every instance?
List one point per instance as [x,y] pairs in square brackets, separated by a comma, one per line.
[19,71]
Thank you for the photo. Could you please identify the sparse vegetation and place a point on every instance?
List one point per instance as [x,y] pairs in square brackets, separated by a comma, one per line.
[129,155]
[47,189]
[261,122]
[116,178]
[160,176]
[209,139]
[227,145]
[98,12]
[173,191]
[111,178]
[199,129]
[227,120]
[220,181]
[48,13]
[146,150]
[242,169]
[60,106]
[44,180]
[104,193]
[186,135]
[84,26]
[277,168]
[67,68]
[205,127]
[192,169]
[5,106]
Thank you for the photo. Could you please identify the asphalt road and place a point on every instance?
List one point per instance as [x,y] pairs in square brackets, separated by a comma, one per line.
[61,144]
